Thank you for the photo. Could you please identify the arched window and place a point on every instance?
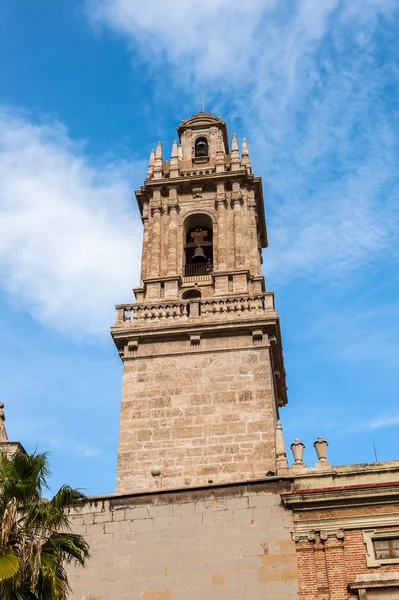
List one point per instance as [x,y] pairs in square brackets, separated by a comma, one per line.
[201,147]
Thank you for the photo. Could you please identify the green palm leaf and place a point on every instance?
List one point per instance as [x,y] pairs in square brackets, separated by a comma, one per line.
[35,542]
[10,566]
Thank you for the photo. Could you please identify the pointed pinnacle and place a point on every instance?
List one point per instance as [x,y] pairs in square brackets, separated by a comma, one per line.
[3,432]
[244,147]
[158,151]
[234,142]
[175,152]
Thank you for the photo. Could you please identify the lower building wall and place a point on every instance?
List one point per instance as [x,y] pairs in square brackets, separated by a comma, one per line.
[228,543]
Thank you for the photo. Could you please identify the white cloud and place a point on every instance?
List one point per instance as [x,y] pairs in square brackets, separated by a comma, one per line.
[69,238]
[205,39]
[306,82]
[381,422]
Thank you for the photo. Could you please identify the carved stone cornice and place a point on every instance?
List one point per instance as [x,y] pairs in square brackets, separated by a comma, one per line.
[341,496]
[347,522]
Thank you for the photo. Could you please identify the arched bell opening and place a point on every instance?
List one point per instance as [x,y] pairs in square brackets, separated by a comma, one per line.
[201,148]
[198,245]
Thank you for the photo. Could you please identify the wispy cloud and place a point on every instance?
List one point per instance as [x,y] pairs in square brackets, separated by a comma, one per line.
[69,237]
[380,422]
[307,84]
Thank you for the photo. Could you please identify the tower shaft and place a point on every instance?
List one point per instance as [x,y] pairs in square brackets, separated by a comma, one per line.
[203,367]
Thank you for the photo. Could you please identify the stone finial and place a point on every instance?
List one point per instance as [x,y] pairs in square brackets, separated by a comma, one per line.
[151,165]
[158,151]
[297,448]
[235,155]
[3,432]
[234,143]
[220,158]
[174,161]
[281,455]
[245,156]
[320,446]
[180,152]
[158,162]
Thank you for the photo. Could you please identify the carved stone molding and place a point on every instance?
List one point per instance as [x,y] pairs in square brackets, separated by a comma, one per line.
[173,205]
[132,347]
[221,199]
[195,340]
[237,197]
[157,208]
[257,337]
[310,536]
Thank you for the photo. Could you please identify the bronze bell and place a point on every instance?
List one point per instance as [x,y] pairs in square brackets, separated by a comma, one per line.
[199,255]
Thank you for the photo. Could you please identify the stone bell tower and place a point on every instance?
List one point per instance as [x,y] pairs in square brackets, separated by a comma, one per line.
[203,372]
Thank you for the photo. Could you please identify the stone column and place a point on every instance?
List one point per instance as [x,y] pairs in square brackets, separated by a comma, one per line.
[172,232]
[221,205]
[253,236]
[144,256]
[156,209]
[236,201]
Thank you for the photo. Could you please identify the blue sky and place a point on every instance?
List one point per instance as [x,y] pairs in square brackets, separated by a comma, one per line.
[87,88]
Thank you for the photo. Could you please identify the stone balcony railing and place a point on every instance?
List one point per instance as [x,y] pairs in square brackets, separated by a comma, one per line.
[186,309]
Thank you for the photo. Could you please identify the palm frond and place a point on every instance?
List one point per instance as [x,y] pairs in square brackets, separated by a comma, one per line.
[71,547]
[10,570]
[23,476]
[35,539]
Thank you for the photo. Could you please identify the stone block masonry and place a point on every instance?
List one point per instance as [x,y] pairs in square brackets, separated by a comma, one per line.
[206,417]
[224,543]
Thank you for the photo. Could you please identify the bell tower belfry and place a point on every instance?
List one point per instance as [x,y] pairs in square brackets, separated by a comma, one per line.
[203,372]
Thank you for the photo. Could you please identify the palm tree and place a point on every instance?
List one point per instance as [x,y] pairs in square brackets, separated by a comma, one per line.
[36,544]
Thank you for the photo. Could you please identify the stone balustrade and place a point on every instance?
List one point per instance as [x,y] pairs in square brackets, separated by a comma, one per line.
[242,304]
[160,310]
[184,309]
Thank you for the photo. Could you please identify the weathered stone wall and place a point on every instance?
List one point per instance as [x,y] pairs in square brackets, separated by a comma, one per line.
[197,417]
[228,543]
